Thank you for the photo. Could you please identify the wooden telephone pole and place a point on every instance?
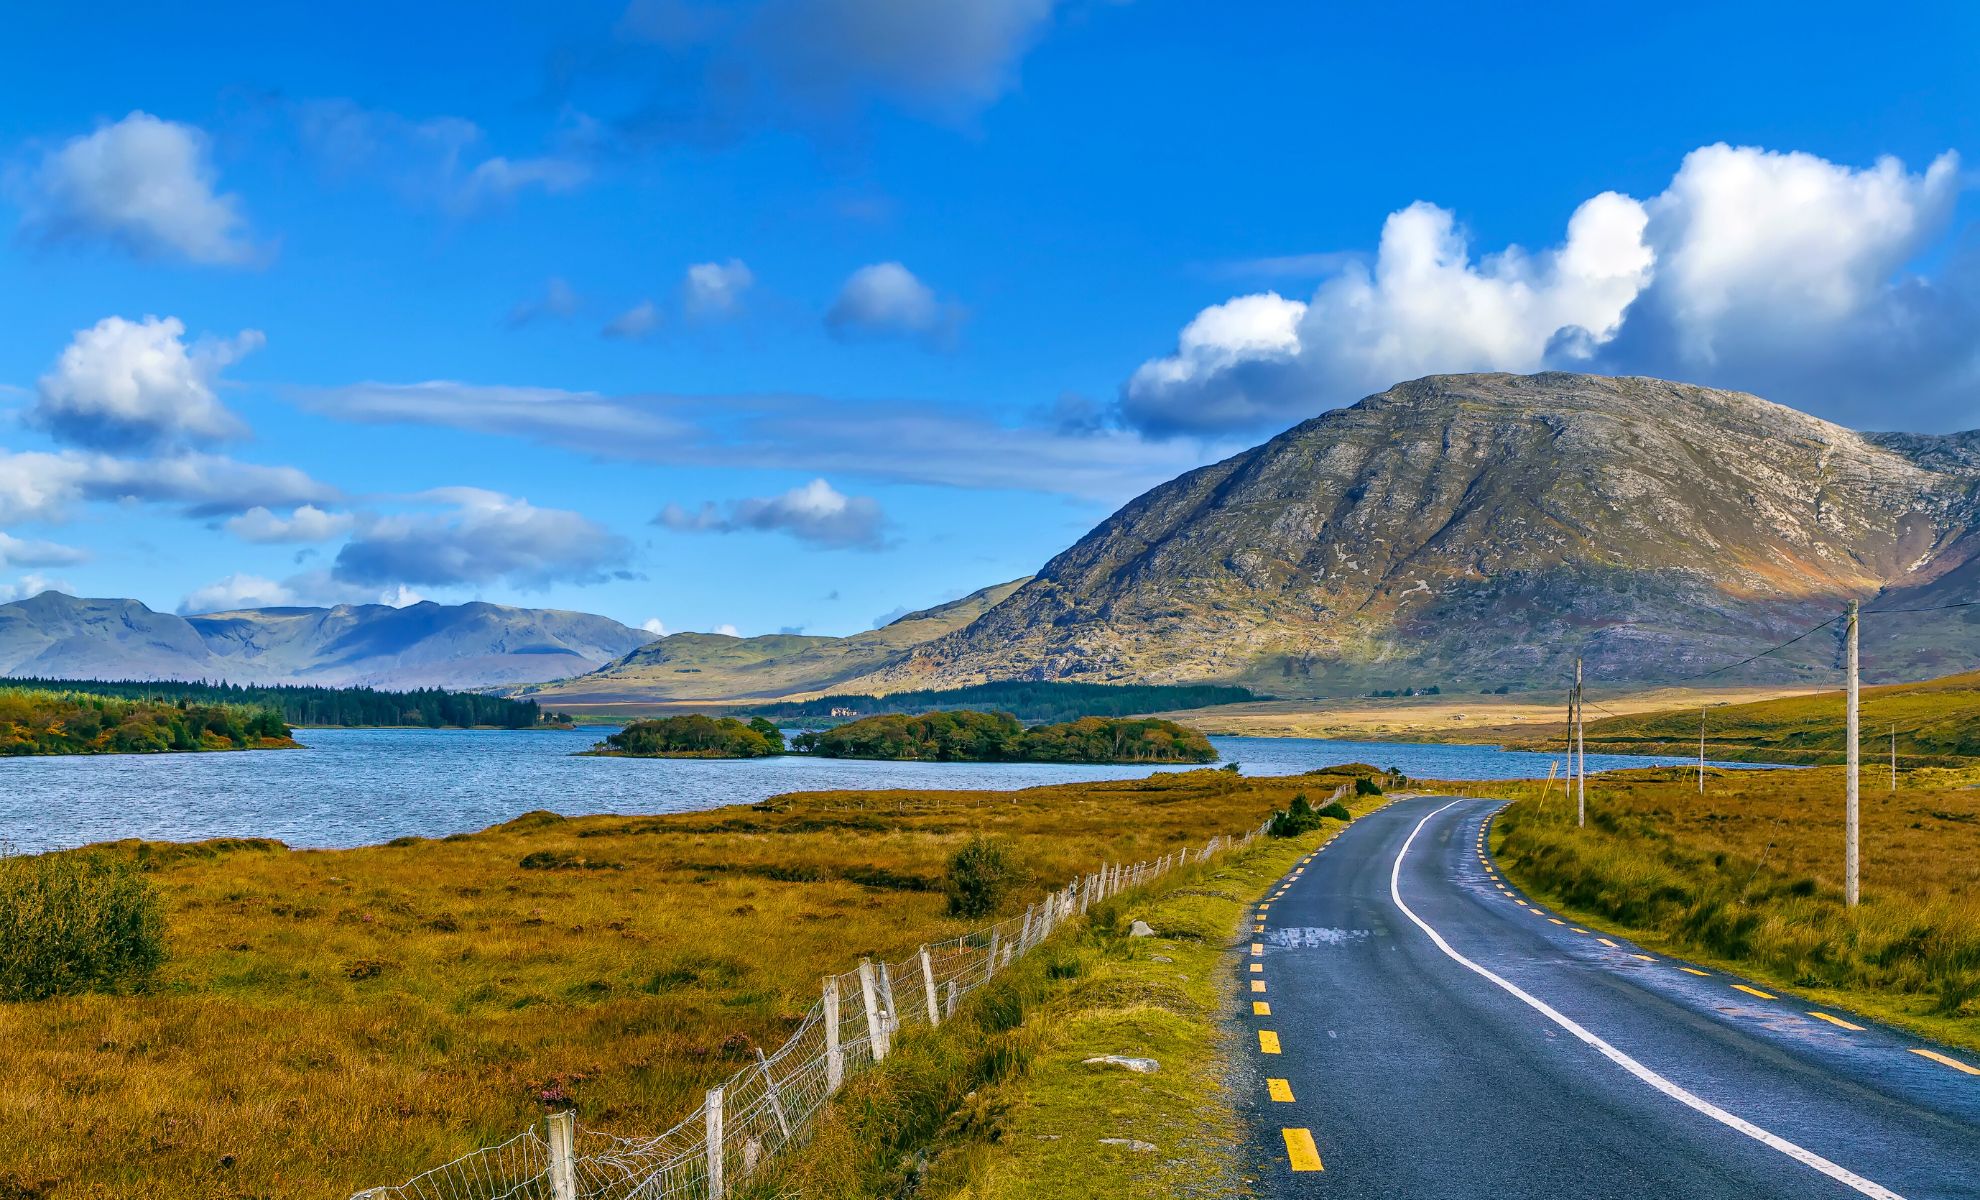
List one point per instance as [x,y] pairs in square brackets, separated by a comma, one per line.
[1580,750]
[1701,751]
[1854,751]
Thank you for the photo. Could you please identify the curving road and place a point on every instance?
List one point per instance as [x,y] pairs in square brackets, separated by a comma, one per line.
[1418,1029]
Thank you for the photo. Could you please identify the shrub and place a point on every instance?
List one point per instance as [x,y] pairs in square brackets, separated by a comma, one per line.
[1364,786]
[1297,818]
[74,923]
[1338,811]
[980,876]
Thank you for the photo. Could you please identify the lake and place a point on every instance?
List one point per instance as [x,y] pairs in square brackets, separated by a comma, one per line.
[355,787]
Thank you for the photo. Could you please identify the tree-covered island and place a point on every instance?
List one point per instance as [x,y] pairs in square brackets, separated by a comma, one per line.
[39,722]
[969,736]
[693,736]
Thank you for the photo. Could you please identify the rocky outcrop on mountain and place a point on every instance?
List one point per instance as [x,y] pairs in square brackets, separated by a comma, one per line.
[422,645]
[1467,531]
[713,666]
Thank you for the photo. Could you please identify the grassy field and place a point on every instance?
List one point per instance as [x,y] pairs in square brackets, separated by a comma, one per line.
[1937,723]
[1448,718]
[339,1019]
[1005,1106]
[1749,876]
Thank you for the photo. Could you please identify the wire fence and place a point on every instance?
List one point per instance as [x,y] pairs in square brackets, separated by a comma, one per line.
[774,1104]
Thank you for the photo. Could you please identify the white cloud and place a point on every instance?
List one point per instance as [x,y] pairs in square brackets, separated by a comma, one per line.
[558,300]
[896,441]
[39,486]
[815,512]
[143,184]
[437,161]
[33,584]
[136,384]
[887,300]
[237,592]
[807,62]
[637,323]
[1781,273]
[486,537]
[728,631]
[715,289]
[654,626]
[307,523]
[311,589]
[22,552]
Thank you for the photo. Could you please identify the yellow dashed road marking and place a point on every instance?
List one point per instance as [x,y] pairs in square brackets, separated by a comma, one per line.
[1300,1150]
[1606,942]
[1578,929]
[1954,1063]
[1260,1008]
[1257,968]
[1268,1042]
[1555,920]
[1695,971]
[1644,957]
[1754,991]
[1257,948]
[1280,1090]
[1258,985]
[1836,1021]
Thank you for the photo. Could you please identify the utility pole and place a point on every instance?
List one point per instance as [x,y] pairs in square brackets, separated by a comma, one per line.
[1580,750]
[1701,751]
[1894,760]
[1850,734]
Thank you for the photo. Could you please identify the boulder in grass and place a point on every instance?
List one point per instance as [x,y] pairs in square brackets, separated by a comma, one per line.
[1140,1066]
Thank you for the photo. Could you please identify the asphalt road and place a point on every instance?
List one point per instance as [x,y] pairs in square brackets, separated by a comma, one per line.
[1417,1029]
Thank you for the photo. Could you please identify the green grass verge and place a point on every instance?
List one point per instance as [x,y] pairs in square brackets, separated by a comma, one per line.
[1912,965]
[1000,1104]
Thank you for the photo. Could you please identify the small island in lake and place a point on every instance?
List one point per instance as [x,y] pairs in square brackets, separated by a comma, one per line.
[968,736]
[42,722]
[693,736]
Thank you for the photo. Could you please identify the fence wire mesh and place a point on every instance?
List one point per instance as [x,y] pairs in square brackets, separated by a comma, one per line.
[767,1107]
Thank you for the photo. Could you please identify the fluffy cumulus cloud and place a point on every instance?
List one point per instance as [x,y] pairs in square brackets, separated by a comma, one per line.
[35,485]
[142,184]
[24,552]
[808,62]
[33,584]
[715,289]
[307,523]
[654,626]
[1780,273]
[815,512]
[887,300]
[481,537]
[137,385]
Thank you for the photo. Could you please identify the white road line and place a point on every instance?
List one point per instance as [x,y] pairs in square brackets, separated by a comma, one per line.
[1809,1158]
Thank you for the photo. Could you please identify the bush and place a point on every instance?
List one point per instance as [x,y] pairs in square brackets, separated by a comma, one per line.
[1338,811]
[1364,786]
[1298,818]
[74,923]
[980,875]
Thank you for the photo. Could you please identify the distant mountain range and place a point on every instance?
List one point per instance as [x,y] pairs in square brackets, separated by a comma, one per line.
[422,645]
[1458,531]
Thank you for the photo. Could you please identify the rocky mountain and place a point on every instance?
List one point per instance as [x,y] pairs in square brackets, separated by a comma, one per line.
[705,666]
[1474,530]
[422,645]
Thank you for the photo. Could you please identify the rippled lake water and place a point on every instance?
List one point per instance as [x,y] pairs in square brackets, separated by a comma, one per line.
[354,787]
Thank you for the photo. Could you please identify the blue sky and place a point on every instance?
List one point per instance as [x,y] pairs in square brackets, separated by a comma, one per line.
[796,313]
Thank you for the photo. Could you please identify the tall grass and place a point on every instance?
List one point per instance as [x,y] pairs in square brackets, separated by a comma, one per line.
[72,923]
[332,1020]
[1750,873]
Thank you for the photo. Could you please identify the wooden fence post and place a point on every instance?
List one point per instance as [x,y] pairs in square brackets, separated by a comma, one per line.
[711,1110]
[928,988]
[949,1001]
[876,1026]
[835,1058]
[1024,937]
[990,968]
[560,1129]
[889,1011]
[776,1097]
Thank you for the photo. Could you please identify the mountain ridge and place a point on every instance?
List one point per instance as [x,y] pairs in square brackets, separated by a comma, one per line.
[471,645]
